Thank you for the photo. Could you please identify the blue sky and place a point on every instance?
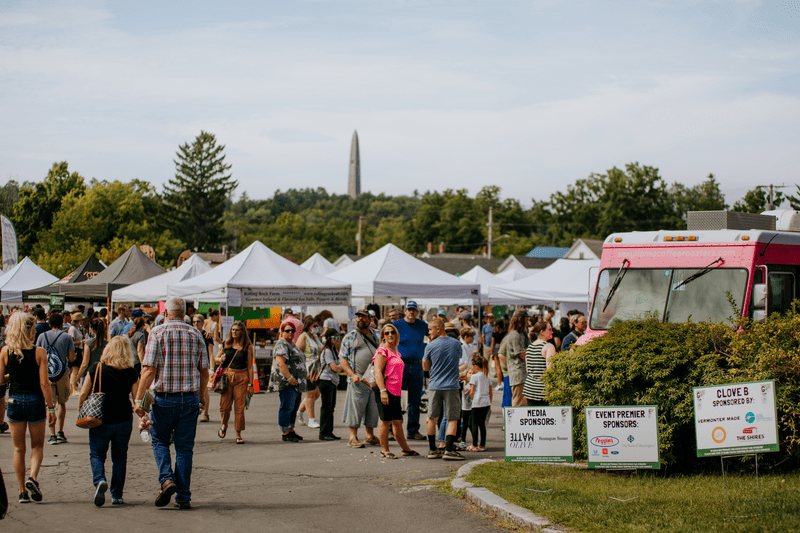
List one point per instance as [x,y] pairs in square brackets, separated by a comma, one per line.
[528,95]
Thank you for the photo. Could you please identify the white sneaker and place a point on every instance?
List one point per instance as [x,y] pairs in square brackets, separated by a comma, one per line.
[499,387]
[312,423]
[301,418]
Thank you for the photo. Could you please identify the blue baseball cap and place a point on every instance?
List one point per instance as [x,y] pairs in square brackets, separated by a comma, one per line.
[411,305]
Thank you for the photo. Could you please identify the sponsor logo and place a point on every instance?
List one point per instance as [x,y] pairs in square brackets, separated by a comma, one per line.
[718,434]
[749,431]
[631,439]
[614,452]
[605,451]
[750,418]
[605,441]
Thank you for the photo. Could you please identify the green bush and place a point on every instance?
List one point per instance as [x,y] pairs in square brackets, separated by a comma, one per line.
[649,363]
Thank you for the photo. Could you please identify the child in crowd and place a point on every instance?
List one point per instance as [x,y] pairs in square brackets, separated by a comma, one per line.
[466,410]
[480,391]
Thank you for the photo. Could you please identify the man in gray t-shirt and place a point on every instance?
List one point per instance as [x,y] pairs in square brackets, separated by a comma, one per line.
[62,342]
[358,349]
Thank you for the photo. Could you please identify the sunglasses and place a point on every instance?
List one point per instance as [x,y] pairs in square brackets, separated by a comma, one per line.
[390,333]
[335,337]
[288,331]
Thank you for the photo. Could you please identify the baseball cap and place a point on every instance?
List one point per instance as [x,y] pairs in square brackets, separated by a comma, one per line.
[442,312]
[411,305]
[363,312]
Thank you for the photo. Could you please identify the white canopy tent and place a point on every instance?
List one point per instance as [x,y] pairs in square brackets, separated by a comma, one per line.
[390,273]
[513,274]
[319,265]
[476,274]
[25,276]
[259,277]
[155,289]
[565,281]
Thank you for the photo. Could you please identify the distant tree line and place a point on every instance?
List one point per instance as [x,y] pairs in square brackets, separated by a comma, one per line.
[64,218]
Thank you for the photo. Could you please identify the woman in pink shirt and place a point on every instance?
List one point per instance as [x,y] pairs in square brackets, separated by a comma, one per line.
[388,367]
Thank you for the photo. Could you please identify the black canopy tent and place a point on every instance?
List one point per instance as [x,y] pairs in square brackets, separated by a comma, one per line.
[133,266]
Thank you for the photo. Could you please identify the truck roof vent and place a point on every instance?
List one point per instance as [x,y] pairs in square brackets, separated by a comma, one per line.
[715,220]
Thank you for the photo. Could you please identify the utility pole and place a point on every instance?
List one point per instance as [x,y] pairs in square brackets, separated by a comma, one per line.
[489,247]
[358,235]
[771,198]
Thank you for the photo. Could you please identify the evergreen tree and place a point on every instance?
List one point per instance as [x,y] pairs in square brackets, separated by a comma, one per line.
[195,199]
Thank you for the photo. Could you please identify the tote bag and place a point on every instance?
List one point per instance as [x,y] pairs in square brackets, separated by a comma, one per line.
[90,414]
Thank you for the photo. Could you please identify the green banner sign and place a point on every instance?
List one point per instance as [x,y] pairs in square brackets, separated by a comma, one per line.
[57,302]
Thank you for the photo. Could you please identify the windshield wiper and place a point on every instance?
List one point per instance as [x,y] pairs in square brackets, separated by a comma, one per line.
[617,280]
[702,272]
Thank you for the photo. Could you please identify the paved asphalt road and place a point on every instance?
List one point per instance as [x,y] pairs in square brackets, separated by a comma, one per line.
[263,485]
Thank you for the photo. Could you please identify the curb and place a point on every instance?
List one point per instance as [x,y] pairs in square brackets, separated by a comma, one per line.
[489,501]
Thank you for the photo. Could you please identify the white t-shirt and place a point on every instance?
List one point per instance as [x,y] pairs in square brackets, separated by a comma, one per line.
[481,382]
[331,323]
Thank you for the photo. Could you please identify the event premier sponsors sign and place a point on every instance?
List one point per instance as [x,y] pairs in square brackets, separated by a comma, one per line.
[623,436]
[538,434]
[737,418]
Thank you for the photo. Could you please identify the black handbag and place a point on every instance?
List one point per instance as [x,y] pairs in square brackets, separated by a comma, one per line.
[90,415]
[222,383]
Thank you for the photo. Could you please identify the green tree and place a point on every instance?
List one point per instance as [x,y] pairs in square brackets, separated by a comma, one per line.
[105,219]
[705,196]
[755,201]
[195,199]
[38,204]
[9,193]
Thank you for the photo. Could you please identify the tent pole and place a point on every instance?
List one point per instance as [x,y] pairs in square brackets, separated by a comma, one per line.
[108,329]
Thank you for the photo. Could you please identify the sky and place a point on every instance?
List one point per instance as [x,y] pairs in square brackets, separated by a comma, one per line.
[529,95]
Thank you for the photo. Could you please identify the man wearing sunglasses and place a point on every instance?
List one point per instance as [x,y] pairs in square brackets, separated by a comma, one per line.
[358,349]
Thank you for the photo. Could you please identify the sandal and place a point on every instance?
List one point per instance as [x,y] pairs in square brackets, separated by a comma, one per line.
[373,440]
[388,455]
[205,418]
[355,443]
[410,453]
[239,440]
[221,433]
[472,448]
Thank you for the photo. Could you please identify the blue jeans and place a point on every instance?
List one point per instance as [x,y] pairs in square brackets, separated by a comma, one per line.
[290,403]
[506,392]
[176,414]
[118,436]
[412,382]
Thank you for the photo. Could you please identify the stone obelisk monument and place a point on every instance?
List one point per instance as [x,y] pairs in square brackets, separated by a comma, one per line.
[354,181]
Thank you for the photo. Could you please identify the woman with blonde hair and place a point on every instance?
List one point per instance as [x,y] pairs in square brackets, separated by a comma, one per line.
[236,356]
[388,368]
[30,399]
[118,380]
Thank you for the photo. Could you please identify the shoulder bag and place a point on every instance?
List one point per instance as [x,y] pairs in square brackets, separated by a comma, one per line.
[90,415]
[368,377]
[220,378]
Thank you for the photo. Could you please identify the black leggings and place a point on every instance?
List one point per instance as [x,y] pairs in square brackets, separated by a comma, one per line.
[479,424]
[328,394]
[466,423]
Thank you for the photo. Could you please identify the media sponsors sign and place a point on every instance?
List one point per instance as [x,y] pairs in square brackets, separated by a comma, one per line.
[538,434]
[736,418]
[623,437]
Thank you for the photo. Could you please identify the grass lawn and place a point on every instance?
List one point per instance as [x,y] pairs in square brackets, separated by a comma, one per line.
[681,503]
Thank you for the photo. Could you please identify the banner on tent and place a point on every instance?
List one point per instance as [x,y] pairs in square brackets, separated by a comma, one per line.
[287,297]
[256,317]
[9,240]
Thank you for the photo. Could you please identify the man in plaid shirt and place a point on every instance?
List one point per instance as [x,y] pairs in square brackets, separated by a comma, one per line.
[176,363]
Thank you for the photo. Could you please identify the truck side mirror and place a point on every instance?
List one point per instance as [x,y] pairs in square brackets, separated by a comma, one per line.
[760,296]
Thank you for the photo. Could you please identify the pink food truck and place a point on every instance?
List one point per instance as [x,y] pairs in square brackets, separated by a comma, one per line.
[675,276]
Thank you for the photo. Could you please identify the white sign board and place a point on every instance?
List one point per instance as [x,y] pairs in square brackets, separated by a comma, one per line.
[225,322]
[623,437]
[538,434]
[300,296]
[737,418]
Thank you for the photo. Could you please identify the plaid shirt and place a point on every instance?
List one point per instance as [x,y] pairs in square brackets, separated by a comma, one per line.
[349,345]
[178,353]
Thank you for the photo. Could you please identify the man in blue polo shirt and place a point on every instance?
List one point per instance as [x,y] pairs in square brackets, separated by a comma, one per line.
[412,348]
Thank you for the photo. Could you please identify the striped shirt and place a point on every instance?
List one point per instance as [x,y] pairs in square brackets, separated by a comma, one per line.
[535,365]
[178,353]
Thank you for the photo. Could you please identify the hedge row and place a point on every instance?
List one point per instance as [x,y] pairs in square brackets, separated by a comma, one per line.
[647,362]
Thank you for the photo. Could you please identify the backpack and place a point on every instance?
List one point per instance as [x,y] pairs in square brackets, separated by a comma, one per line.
[56,366]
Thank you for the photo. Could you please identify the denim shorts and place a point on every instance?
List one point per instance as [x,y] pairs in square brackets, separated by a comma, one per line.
[28,408]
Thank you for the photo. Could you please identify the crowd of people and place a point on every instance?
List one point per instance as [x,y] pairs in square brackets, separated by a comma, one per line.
[171,357]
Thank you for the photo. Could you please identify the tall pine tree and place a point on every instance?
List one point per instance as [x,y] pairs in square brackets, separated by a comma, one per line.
[195,198]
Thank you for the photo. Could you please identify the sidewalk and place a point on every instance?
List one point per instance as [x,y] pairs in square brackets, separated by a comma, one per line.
[264,483]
